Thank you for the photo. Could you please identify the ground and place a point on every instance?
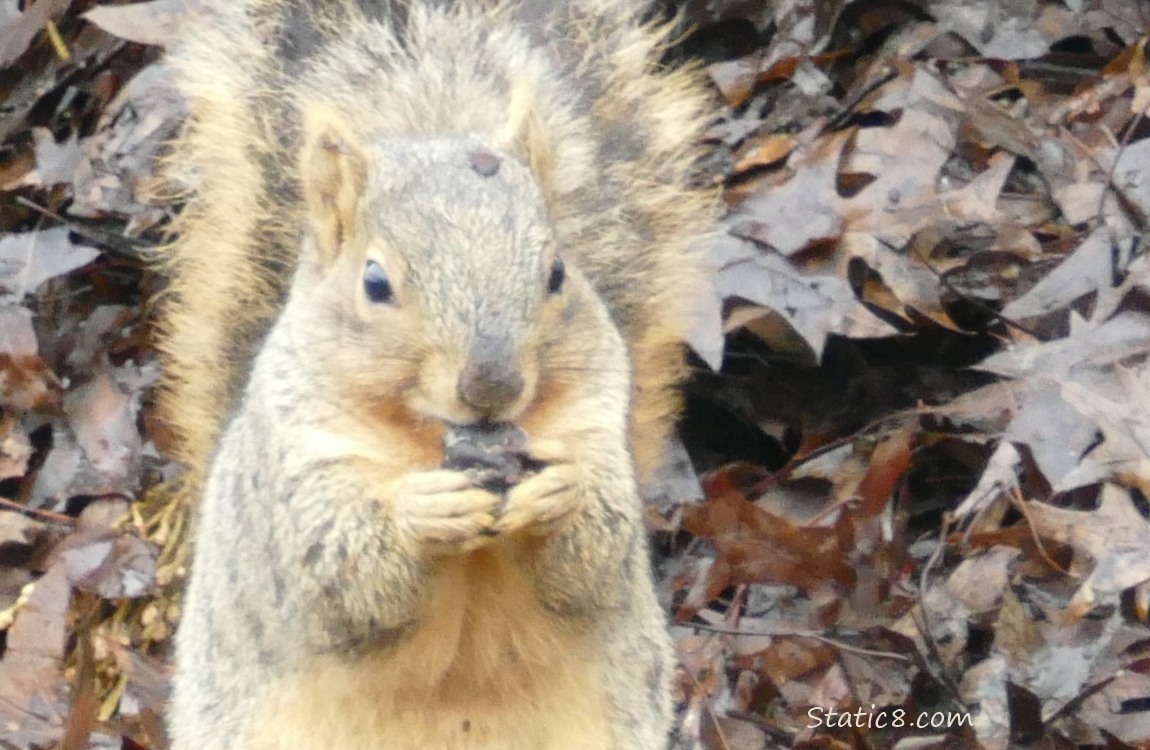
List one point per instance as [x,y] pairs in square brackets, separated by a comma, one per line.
[915,512]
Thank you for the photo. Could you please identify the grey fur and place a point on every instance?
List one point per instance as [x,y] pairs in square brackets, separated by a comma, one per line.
[343,585]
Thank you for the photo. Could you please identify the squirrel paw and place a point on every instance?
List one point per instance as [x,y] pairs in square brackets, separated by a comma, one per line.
[542,502]
[445,509]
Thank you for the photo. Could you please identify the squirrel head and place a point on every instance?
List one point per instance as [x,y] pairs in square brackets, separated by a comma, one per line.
[436,273]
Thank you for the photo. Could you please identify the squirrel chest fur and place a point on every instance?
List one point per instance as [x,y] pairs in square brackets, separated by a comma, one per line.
[411,222]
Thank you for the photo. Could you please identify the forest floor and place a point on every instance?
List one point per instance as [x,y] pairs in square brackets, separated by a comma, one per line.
[916,509]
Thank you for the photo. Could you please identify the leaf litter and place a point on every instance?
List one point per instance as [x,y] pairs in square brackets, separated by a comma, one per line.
[919,415]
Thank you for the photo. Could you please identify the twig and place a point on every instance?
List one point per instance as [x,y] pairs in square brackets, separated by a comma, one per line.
[974,301]
[45,514]
[1076,702]
[812,634]
[120,246]
[1020,503]
[886,75]
[797,461]
[935,656]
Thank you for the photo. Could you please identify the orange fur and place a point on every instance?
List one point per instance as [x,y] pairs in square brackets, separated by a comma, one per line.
[488,669]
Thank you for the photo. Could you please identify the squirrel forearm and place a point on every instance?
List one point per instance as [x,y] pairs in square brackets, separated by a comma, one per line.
[584,564]
[355,574]
[574,574]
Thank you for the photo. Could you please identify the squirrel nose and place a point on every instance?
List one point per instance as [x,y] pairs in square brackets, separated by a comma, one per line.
[491,380]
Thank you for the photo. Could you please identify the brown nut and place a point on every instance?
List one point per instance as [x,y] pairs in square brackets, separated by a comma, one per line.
[495,452]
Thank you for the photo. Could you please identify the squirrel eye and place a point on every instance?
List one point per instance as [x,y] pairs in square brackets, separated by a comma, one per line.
[558,274]
[376,285]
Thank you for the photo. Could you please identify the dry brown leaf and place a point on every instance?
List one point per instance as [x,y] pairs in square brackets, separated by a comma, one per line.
[103,418]
[999,479]
[1124,453]
[29,259]
[816,305]
[1017,31]
[791,214]
[1112,545]
[17,33]
[735,79]
[26,384]
[15,450]
[32,707]
[1120,710]
[156,22]
[1058,434]
[1088,269]
[765,151]
[111,564]
[55,162]
[755,546]
[118,173]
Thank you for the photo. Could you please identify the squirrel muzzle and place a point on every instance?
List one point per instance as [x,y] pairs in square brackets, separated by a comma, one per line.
[491,380]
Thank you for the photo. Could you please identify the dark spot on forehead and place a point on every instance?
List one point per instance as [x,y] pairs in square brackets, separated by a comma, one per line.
[485,163]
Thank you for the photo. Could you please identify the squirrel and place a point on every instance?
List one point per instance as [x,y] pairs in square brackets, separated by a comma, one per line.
[423,337]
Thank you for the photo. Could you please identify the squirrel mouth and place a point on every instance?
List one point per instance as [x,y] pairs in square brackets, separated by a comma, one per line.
[496,452]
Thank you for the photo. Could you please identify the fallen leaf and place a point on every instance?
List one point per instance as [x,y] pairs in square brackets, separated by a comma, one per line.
[999,479]
[157,22]
[55,162]
[815,305]
[17,33]
[1088,269]
[32,705]
[29,259]
[1112,542]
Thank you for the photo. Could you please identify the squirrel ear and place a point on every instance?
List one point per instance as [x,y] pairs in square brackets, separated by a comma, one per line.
[334,175]
[524,133]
